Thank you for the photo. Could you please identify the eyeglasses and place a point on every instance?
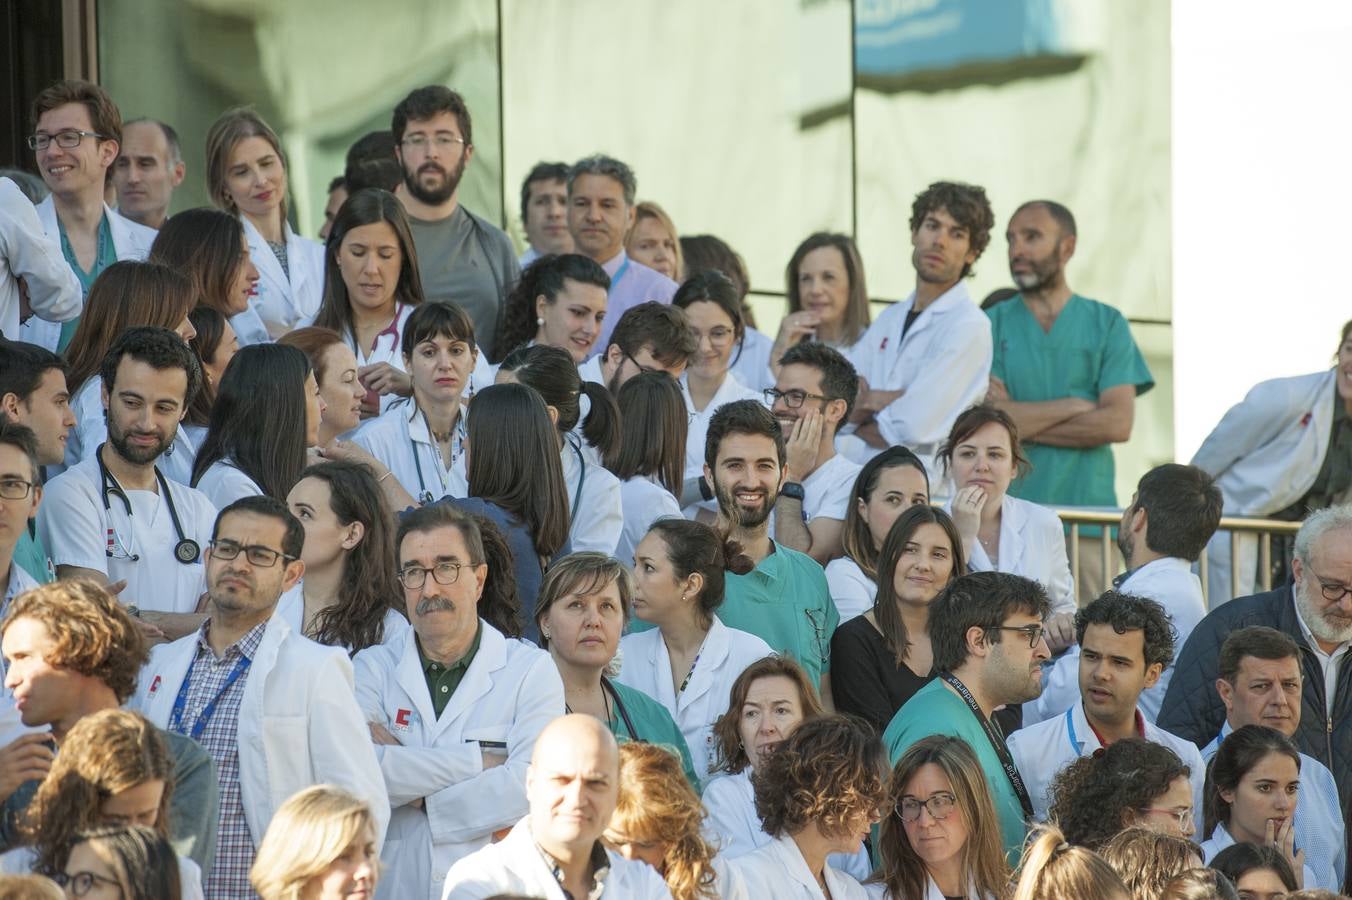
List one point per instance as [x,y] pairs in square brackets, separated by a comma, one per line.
[718,337]
[1184,816]
[940,806]
[414,577]
[1332,591]
[646,370]
[1032,632]
[15,489]
[256,554]
[82,883]
[793,399]
[68,140]
[440,141]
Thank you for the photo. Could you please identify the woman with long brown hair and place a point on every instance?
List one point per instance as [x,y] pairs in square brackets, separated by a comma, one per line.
[650,457]
[209,247]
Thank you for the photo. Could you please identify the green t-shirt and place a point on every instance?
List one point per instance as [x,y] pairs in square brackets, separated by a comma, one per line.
[785,602]
[653,724]
[937,710]
[1088,350]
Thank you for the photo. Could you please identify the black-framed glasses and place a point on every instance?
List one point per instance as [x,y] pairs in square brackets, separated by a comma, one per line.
[256,554]
[440,141]
[68,140]
[15,488]
[646,370]
[414,577]
[1332,591]
[940,805]
[1032,632]
[82,883]
[793,399]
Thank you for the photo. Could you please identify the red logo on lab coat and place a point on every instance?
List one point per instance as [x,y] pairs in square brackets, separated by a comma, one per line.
[401,718]
[154,685]
[1305,419]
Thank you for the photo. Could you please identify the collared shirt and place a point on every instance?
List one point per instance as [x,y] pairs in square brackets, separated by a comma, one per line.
[600,866]
[442,680]
[229,875]
[631,283]
[1329,662]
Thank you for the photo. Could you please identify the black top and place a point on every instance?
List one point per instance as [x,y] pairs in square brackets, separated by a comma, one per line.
[865,677]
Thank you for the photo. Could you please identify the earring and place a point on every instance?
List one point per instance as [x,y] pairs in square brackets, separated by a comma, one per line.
[544,634]
[540,320]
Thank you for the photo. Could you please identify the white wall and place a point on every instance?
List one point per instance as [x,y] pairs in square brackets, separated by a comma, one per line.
[1262,197]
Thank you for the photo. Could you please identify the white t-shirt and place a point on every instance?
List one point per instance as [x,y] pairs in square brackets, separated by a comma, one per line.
[223,484]
[854,592]
[731,389]
[827,490]
[643,502]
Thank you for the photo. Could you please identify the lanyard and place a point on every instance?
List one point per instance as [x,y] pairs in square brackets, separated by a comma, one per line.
[457,447]
[619,708]
[619,273]
[996,739]
[199,724]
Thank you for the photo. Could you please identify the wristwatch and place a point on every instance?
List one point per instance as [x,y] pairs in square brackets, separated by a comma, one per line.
[793,490]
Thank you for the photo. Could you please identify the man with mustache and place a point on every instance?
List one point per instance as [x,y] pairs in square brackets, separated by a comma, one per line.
[275,710]
[784,600]
[115,516]
[454,708]
[462,258]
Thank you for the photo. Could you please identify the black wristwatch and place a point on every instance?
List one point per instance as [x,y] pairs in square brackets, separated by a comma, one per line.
[793,490]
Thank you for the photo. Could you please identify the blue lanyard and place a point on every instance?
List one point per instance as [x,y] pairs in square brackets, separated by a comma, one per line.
[199,725]
[619,273]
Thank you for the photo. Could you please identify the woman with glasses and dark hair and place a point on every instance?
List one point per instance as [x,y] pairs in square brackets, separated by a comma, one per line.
[888,485]
[940,836]
[1130,782]
[126,862]
[751,356]
[883,657]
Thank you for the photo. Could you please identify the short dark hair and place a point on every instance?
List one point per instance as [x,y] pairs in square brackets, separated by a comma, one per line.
[440,515]
[839,379]
[741,417]
[1126,612]
[170,136]
[979,600]
[712,286]
[968,206]
[1258,641]
[371,163]
[541,171]
[1238,860]
[1062,216]
[974,418]
[21,438]
[1183,509]
[426,102]
[262,505]
[336,182]
[661,328]
[158,348]
[22,367]
[608,166]
[104,116]
[703,252]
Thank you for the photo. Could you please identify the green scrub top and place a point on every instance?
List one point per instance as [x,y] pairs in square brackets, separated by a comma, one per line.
[653,724]
[1088,350]
[31,556]
[785,602]
[936,710]
[103,258]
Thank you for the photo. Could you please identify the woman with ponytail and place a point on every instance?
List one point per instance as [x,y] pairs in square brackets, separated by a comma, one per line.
[1053,869]
[689,661]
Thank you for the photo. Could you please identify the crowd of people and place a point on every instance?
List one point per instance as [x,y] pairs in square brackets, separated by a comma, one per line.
[401,564]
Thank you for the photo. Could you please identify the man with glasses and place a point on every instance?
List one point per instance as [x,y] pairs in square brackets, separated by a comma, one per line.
[1314,610]
[20,494]
[454,708]
[650,337]
[812,397]
[275,710]
[1125,643]
[462,258]
[77,132]
[986,631]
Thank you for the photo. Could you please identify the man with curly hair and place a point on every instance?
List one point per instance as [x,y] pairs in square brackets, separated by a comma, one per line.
[1124,644]
[927,358]
[71,649]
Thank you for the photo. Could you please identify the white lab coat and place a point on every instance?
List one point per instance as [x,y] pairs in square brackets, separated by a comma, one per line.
[514,866]
[399,438]
[944,364]
[593,500]
[74,528]
[130,241]
[1041,751]
[725,654]
[509,693]
[291,609]
[1032,544]
[91,430]
[779,870]
[224,483]
[281,302]
[1265,454]
[1171,583]
[729,391]
[299,722]
[27,252]
[733,827]
[853,592]
[643,501]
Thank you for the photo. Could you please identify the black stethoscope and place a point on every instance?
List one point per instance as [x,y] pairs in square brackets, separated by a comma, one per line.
[575,444]
[186,551]
[457,447]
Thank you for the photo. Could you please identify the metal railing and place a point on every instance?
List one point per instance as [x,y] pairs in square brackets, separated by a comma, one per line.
[1075,518]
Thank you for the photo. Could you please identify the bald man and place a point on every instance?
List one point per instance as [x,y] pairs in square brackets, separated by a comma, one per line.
[573,784]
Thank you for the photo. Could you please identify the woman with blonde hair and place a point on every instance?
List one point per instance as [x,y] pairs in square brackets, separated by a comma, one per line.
[247,177]
[321,845]
[654,242]
[941,837]
[657,820]
[113,769]
[1148,859]
[1054,870]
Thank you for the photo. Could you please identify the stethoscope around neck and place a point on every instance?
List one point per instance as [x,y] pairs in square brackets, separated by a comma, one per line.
[457,447]
[186,550]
